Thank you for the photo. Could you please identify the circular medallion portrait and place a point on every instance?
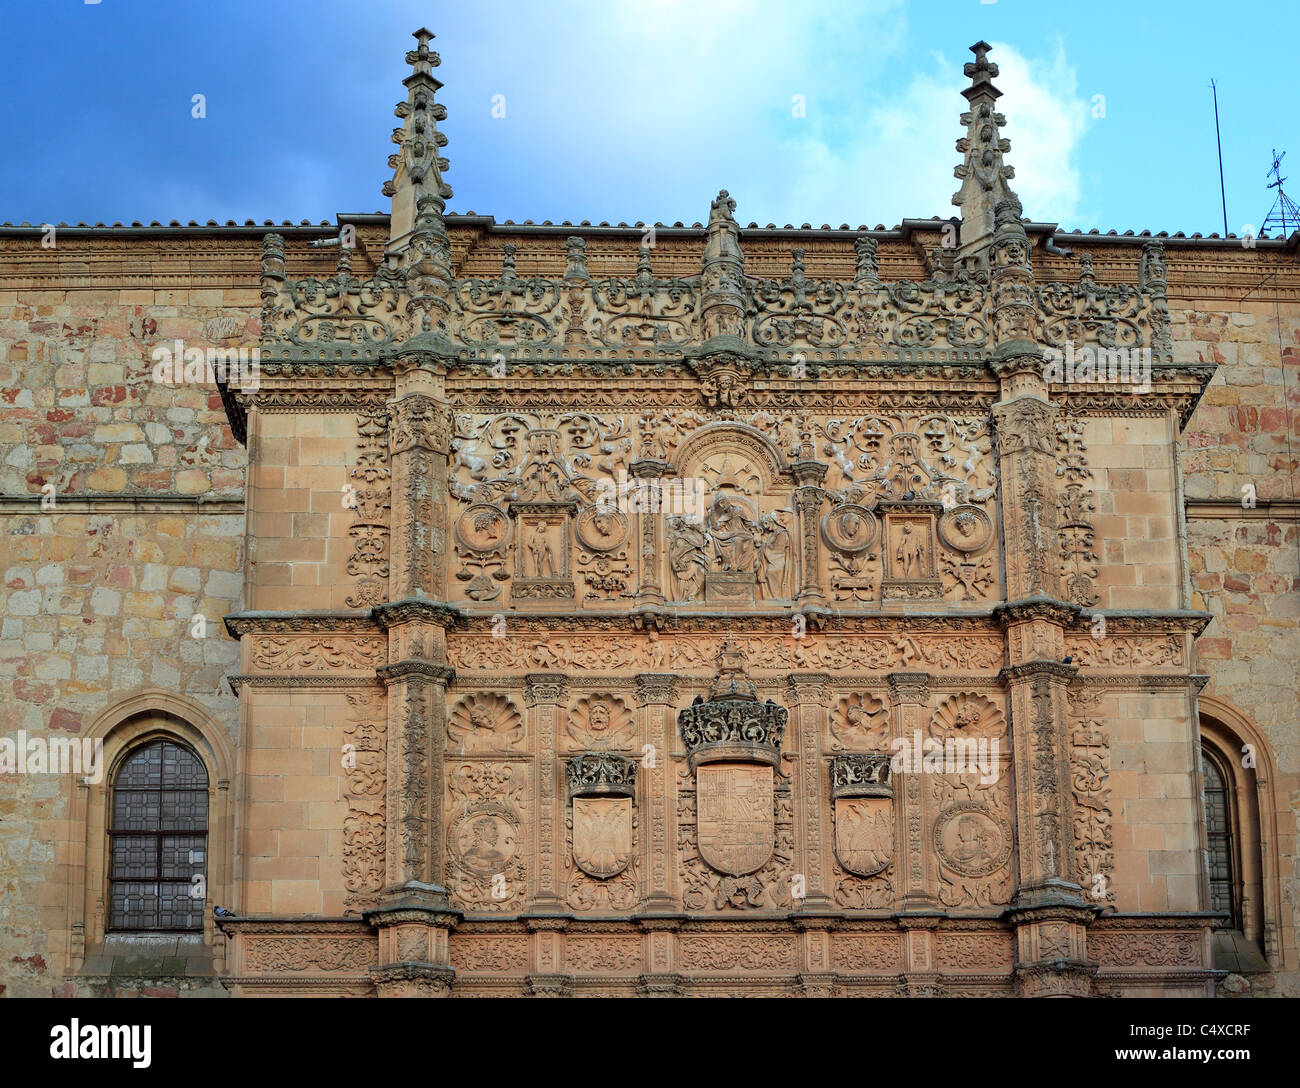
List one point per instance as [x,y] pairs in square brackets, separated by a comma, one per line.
[485,841]
[482,528]
[850,528]
[966,529]
[601,530]
[970,842]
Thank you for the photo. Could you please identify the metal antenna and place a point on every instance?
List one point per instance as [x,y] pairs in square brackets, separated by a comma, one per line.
[1223,195]
[1284,210]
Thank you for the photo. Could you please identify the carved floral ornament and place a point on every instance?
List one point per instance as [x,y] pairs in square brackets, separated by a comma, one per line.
[643,313]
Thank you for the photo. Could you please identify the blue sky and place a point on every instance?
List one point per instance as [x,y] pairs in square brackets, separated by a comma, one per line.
[642,111]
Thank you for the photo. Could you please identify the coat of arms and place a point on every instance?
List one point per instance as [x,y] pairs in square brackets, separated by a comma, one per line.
[602,835]
[737,822]
[864,813]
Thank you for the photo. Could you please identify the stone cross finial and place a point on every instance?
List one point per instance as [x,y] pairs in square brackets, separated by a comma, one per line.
[422,59]
[983,69]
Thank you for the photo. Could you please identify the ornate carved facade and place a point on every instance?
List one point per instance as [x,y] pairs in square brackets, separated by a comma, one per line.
[725,610]
[714,617]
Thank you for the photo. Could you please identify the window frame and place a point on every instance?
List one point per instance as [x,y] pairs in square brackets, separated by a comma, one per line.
[159,835]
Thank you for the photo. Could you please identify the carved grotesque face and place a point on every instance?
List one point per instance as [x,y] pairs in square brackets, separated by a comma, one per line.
[599,717]
[480,717]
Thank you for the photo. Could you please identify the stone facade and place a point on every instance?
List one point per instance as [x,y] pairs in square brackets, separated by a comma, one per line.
[564,599]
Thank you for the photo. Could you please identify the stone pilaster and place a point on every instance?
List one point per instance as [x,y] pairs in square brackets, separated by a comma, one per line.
[419,433]
[910,695]
[658,694]
[417,677]
[660,956]
[807,697]
[413,924]
[1044,817]
[919,932]
[546,977]
[649,533]
[808,496]
[816,976]
[543,693]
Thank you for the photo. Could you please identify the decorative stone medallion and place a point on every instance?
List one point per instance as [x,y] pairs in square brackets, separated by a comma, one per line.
[602,530]
[966,529]
[969,840]
[850,528]
[482,528]
[485,839]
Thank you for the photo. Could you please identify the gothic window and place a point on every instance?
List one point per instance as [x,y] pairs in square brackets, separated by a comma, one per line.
[158,840]
[1219,836]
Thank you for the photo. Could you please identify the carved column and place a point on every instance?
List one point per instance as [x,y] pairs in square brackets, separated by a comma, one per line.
[1024,418]
[543,692]
[910,694]
[1049,909]
[419,434]
[808,496]
[807,697]
[414,916]
[657,693]
[546,979]
[649,593]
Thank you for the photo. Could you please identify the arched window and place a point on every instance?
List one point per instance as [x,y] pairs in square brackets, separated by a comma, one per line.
[158,839]
[1221,844]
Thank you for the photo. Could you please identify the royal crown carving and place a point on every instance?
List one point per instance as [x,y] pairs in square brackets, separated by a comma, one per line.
[732,724]
[601,774]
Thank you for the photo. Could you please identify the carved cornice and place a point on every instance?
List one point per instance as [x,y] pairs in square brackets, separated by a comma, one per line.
[1156,622]
[314,400]
[300,623]
[417,610]
[238,681]
[1030,669]
[1037,608]
[1137,681]
[404,670]
[757,622]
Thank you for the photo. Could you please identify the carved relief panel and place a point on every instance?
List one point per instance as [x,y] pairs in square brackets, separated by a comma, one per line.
[487,820]
[969,760]
[601,825]
[567,506]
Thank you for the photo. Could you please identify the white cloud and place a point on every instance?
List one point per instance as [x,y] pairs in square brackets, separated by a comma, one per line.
[643,110]
[897,160]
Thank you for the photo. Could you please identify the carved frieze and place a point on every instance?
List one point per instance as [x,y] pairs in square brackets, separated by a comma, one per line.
[311,653]
[273,955]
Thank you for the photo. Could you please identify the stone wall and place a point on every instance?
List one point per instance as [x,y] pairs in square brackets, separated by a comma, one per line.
[97,599]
